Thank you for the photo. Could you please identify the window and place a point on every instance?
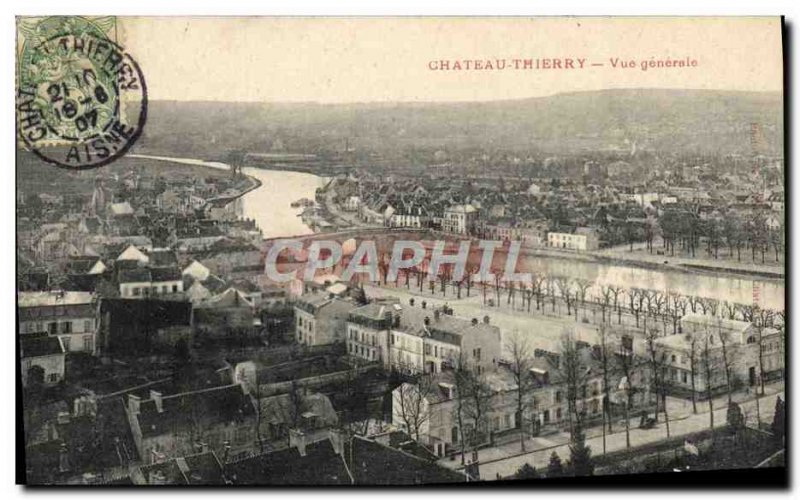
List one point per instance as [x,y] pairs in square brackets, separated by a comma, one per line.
[673,358]
[66,327]
[52,328]
[87,325]
[300,320]
[174,288]
[53,377]
[558,413]
[88,343]
[136,291]
[164,289]
[558,397]
[65,341]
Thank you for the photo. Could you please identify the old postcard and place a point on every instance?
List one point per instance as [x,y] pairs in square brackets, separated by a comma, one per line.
[400,251]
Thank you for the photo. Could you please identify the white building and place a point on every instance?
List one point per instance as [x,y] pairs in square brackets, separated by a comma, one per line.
[352,203]
[413,339]
[42,360]
[320,319]
[459,219]
[582,239]
[145,283]
[70,316]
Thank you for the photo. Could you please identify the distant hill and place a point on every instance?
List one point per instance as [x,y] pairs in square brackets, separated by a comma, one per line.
[687,121]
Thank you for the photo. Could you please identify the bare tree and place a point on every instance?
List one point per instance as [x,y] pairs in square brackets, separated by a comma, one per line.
[654,360]
[626,362]
[617,291]
[411,400]
[693,369]
[678,304]
[538,283]
[605,300]
[709,366]
[582,287]
[575,375]
[521,354]
[565,288]
[477,407]
[606,364]
[462,380]
[551,289]
[727,360]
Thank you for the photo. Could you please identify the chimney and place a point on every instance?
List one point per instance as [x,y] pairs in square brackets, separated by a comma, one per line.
[424,304]
[447,388]
[63,458]
[337,440]
[133,404]
[156,477]
[157,399]
[297,439]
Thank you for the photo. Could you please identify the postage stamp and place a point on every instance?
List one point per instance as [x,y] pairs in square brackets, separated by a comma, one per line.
[81,98]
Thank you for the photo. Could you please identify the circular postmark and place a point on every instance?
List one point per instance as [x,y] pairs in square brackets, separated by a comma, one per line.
[81,100]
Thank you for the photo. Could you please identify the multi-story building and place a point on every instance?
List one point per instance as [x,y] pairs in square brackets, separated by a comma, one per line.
[70,316]
[459,219]
[320,319]
[684,355]
[221,419]
[42,360]
[140,282]
[545,403]
[420,340]
[582,239]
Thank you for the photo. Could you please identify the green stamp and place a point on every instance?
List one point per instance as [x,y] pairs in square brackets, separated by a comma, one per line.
[81,98]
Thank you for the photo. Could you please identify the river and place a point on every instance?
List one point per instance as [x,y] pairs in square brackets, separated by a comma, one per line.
[270,207]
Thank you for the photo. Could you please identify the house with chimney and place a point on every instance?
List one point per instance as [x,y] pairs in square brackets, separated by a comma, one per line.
[338,460]
[226,313]
[432,407]
[69,315]
[42,360]
[199,469]
[738,341]
[320,318]
[220,419]
[413,339]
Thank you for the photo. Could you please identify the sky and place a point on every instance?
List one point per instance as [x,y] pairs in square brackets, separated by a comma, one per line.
[334,60]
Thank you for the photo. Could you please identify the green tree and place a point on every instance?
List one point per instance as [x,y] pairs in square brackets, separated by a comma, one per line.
[735,418]
[580,459]
[779,421]
[555,468]
[526,472]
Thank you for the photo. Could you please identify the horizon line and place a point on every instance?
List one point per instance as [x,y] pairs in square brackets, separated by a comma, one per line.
[468,101]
